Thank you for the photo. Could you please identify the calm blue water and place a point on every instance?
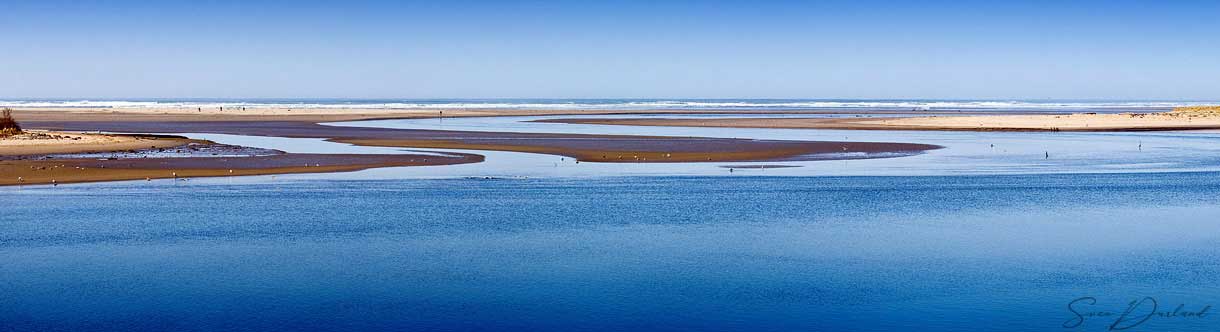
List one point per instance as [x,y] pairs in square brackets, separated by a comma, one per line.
[966,253]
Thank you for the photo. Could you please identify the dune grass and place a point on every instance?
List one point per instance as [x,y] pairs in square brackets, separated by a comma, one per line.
[1198,109]
[8,126]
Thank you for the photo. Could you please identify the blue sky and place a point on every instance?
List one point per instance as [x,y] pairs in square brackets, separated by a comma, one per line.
[628,49]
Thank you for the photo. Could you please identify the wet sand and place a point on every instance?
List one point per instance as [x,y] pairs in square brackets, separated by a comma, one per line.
[596,148]
[1062,122]
[27,171]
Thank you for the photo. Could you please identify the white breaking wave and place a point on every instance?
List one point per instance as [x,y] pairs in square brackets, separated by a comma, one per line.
[609,104]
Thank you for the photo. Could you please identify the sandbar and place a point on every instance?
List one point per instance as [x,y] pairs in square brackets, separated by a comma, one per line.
[593,148]
[48,142]
[72,170]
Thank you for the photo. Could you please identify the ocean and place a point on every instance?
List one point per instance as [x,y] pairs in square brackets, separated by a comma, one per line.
[612,104]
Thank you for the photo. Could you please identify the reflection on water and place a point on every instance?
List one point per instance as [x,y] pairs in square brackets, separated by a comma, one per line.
[609,253]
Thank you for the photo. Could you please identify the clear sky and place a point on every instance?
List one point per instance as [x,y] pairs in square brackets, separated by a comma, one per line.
[619,49]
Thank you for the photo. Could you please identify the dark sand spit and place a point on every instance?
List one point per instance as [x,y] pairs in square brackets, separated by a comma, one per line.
[36,170]
[594,148]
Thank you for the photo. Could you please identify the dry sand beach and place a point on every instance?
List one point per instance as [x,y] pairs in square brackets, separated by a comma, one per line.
[46,142]
[1185,118]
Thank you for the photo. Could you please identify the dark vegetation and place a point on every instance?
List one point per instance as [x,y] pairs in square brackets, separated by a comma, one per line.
[8,126]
